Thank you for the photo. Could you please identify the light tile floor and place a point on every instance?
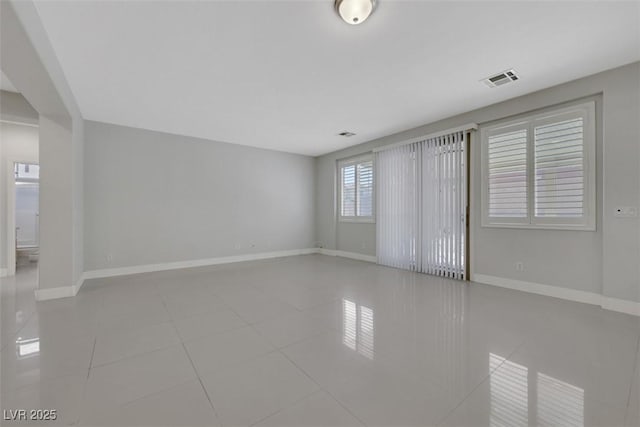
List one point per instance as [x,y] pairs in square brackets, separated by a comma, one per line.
[314,341]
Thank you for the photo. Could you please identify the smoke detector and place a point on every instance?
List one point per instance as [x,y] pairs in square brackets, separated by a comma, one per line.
[500,79]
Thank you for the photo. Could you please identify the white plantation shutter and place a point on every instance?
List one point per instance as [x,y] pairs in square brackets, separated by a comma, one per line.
[356,189]
[365,188]
[540,171]
[559,169]
[507,161]
[348,190]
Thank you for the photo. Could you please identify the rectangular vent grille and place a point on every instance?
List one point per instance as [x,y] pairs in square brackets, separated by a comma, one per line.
[346,133]
[502,78]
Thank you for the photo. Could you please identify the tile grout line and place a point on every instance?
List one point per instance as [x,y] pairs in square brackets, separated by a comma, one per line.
[93,351]
[85,385]
[466,396]
[193,366]
[290,406]
[320,388]
[204,389]
[636,368]
[146,353]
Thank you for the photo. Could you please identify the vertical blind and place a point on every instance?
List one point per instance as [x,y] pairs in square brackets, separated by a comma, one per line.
[397,207]
[421,205]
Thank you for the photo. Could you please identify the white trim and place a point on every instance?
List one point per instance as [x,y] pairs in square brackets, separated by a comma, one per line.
[148,268]
[17,122]
[586,111]
[463,128]
[621,305]
[345,254]
[60,292]
[3,272]
[55,293]
[607,303]
[355,161]
[79,284]
[358,158]
[357,219]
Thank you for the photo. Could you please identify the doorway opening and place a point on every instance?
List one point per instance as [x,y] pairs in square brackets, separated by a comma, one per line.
[27,215]
[19,198]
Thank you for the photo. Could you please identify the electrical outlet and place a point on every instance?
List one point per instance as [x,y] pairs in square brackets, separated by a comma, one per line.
[626,212]
[109,258]
[519,266]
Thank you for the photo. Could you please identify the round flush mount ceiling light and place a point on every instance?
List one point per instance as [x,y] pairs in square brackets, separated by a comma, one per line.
[354,11]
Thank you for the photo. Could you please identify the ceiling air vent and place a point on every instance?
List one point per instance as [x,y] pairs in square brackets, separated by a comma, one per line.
[501,78]
[346,133]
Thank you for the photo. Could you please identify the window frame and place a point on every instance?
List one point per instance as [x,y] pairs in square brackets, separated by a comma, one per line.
[354,161]
[585,110]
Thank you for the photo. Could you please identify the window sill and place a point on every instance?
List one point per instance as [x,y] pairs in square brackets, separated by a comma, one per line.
[357,220]
[565,227]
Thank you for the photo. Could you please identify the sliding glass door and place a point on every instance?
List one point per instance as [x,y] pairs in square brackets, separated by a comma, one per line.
[422,206]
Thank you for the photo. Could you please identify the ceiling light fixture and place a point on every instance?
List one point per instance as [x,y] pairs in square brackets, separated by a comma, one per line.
[354,11]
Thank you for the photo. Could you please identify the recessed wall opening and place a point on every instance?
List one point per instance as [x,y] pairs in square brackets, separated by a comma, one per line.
[27,215]
[20,194]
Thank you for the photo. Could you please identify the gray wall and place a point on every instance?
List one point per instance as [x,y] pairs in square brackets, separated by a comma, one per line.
[152,197]
[14,108]
[31,64]
[604,261]
[55,263]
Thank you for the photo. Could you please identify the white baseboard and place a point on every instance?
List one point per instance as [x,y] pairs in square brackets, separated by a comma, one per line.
[60,292]
[345,254]
[607,303]
[55,293]
[3,272]
[148,268]
[621,305]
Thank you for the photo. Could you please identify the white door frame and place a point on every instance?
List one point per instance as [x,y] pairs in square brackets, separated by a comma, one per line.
[11,211]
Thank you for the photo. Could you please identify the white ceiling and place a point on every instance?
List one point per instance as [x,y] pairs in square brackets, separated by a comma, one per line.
[5,83]
[290,75]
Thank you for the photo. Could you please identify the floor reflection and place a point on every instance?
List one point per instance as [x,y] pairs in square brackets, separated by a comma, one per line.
[509,394]
[559,403]
[545,400]
[358,328]
[27,347]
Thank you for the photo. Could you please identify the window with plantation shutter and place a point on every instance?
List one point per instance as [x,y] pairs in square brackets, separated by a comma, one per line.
[539,172]
[356,189]
[559,168]
[508,174]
